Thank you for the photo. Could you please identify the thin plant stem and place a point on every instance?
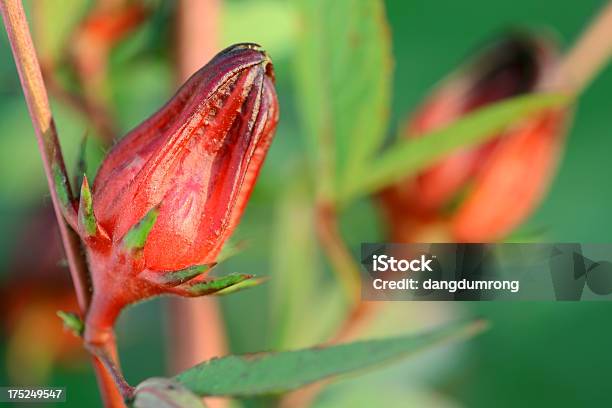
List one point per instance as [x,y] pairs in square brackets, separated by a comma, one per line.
[37,101]
[587,56]
[341,259]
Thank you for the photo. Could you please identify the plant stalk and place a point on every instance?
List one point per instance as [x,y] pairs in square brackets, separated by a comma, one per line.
[37,101]
[587,56]
[343,264]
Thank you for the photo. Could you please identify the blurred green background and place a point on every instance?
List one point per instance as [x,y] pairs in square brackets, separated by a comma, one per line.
[535,353]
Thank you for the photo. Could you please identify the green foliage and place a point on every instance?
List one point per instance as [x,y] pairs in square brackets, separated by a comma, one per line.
[164,393]
[305,308]
[268,373]
[407,157]
[53,26]
[343,77]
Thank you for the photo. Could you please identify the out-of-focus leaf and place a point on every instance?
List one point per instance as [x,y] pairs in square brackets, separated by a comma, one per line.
[23,166]
[164,393]
[303,309]
[242,22]
[407,157]
[365,393]
[140,89]
[267,373]
[52,26]
[343,74]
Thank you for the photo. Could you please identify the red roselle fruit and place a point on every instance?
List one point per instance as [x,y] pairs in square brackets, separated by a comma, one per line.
[480,194]
[170,193]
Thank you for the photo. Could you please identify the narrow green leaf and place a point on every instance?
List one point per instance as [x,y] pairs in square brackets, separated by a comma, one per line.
[407,157]
[343,74]
[267,373]
[164,393]
[72,322]
[136,237]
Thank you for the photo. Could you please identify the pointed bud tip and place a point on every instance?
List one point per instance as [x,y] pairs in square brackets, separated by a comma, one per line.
[85,184]
[257,50]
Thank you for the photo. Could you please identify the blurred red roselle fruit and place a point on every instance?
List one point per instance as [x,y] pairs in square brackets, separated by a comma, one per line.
[103,27]
[480,194]
[170,193]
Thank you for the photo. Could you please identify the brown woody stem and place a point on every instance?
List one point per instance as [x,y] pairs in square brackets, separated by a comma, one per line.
[37,101]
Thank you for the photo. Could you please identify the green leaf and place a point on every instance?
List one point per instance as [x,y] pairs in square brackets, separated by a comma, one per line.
[136,237]
[306,306]
[53,26]
[267,373]
[343,74]
[409,156]
[164,393]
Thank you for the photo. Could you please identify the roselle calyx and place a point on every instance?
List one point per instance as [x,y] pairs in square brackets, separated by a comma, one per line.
[170,193]
[480,194]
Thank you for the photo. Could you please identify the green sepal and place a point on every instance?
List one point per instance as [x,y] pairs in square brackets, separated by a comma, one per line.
[202,288]
[246,284]
[72,322]
[87,220]
[174,278]
[136,237]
